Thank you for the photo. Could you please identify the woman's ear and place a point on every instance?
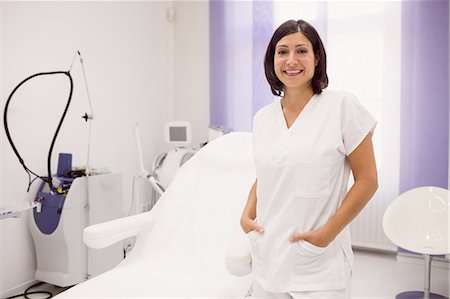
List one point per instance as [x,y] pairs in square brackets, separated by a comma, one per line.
[316,59]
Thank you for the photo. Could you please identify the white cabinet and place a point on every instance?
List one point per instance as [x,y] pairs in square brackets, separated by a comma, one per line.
[62,257]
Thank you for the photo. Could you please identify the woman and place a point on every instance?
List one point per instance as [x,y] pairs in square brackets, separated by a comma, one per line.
[305,145]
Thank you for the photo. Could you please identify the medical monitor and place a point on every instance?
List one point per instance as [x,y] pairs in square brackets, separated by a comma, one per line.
[178,133]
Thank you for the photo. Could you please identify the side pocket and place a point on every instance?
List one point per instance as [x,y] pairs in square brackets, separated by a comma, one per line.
[315,264]
[311,248]
[252,237]
[255,251]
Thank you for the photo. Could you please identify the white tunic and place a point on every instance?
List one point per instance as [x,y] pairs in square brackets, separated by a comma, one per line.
[302,174]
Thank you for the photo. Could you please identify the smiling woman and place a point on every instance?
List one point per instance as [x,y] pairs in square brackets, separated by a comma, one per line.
[305,145]
[363,42]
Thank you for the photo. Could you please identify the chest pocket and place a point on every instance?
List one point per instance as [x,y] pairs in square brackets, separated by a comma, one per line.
[311,176]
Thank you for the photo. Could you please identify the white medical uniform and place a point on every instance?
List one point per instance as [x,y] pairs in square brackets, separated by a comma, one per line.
[302,174]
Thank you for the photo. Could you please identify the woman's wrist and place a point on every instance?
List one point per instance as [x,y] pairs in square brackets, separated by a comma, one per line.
[328,234]
[245,223]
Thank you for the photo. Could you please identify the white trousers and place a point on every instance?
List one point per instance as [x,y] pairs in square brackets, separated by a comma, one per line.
[258,292]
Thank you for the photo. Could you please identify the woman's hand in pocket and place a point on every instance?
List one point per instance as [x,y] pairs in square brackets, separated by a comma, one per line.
[319,238]
[249,225]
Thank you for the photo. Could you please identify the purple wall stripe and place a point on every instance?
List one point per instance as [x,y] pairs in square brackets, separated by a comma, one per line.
[237,47]
[425,94]
[218,63]
[262,33]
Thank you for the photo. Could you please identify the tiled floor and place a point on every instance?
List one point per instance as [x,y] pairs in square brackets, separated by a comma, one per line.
[378,276]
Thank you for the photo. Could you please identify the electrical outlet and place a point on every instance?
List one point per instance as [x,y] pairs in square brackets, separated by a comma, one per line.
[9,213]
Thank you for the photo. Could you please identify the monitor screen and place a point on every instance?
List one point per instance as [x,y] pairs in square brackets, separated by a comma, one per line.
[178,134]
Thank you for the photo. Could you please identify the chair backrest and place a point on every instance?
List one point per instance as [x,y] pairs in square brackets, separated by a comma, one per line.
[198,215]
[418,220]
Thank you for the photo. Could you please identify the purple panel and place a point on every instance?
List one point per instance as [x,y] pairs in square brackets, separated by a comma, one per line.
[233,37]
[425,94]
[262,33]
[218,64]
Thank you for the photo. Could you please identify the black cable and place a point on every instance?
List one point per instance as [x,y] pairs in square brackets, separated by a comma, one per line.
[58,128]
[47,179]
[26,293]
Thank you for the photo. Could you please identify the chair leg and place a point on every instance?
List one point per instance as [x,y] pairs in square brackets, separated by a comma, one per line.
[426,294]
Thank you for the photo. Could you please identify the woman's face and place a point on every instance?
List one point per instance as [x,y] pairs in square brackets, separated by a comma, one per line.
[294,61]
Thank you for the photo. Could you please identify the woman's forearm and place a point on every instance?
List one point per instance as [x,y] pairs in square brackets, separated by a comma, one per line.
[356,199]
[362,163]
[250,208]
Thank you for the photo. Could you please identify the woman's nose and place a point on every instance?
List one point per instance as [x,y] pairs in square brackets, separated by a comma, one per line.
[291,60]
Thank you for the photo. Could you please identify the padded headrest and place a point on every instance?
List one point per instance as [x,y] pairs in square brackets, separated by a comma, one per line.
[231,151]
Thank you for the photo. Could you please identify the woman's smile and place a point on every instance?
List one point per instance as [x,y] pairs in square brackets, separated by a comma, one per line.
[292,73]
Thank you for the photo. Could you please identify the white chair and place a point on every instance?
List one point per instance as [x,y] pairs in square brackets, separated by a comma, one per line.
[181,242]
[418,221]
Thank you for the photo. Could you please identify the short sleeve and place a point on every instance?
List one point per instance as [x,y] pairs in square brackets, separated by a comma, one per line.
[356,123]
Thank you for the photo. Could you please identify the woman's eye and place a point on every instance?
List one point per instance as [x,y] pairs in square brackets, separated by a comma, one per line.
[282,52]
[302,51]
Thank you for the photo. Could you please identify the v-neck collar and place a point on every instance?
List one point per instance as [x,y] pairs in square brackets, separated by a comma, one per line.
[282,118]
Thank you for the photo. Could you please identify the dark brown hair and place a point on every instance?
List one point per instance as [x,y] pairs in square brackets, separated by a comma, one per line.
[320,79]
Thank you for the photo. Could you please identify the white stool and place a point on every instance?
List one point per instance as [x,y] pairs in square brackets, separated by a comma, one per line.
[418,221]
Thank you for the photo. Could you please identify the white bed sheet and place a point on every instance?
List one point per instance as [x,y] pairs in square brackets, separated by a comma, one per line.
[183,255]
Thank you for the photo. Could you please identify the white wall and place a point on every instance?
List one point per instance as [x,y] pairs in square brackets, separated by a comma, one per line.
[124,45]
[2,230]
[191,67]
